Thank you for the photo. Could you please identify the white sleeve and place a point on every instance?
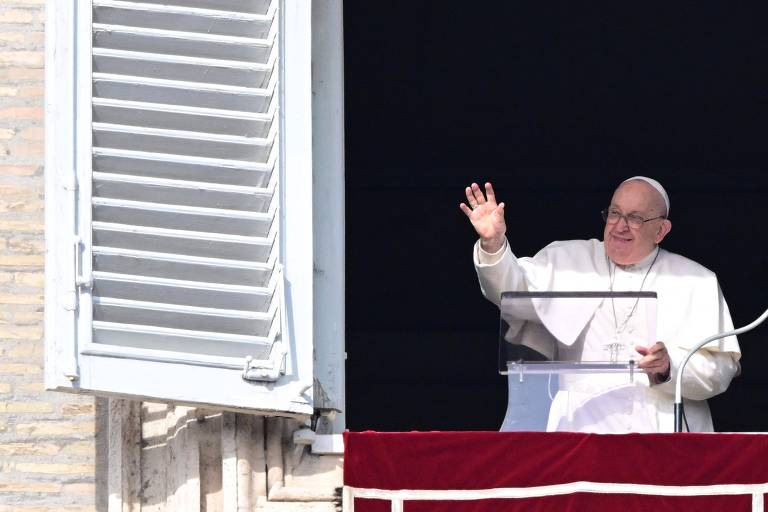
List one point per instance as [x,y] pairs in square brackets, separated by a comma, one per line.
[490,258]
[700,310]
[498,272]
[707,373]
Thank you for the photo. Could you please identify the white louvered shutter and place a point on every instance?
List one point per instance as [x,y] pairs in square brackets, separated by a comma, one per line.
[180,197]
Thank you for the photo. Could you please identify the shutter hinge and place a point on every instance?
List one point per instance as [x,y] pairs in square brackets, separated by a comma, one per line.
[266,370]
[80,281]
[68,298]
[320,444]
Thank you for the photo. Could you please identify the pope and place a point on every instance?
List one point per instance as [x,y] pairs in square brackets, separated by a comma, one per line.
[691,307]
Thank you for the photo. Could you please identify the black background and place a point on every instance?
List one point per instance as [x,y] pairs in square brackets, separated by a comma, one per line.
[555,103]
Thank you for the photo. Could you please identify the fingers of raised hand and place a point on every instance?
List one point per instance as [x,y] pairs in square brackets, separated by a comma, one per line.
[478,194]
[471,199]
[489,193]
[484,203]
[499,211]
[476,197]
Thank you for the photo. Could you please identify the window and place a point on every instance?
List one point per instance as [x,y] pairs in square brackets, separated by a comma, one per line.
[179,189]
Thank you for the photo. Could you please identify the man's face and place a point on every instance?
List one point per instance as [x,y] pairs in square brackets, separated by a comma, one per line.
[626,245]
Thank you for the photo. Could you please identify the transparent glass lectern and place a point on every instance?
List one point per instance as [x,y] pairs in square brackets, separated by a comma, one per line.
[569,340]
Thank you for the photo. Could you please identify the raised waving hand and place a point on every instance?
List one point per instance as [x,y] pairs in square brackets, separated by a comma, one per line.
[486,215]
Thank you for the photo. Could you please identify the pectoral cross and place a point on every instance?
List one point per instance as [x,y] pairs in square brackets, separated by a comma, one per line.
[613,350]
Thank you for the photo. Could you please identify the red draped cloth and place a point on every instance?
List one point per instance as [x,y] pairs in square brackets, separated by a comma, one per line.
[535,471]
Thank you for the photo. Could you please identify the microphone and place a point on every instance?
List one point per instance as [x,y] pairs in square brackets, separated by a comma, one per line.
[678,408]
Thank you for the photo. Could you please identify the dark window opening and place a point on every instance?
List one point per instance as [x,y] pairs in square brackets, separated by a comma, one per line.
[555,104]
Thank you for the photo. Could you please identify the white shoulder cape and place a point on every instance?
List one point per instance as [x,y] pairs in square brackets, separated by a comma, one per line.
[690,304]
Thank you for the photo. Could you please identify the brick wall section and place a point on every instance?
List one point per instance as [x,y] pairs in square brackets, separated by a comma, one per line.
[47,440]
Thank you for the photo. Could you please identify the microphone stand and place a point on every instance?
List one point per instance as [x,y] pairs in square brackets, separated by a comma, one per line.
[679,379]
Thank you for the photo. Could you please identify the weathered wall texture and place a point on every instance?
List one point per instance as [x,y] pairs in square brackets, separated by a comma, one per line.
[47,443]
[165,458]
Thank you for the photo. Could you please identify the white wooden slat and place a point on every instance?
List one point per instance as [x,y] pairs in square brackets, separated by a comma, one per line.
[200,212]
[218,265]
[173,266]
[198,343]
[197,136]
[251,6]
[232,361]
[192,185]
[182,68]
[189,86]
[250,215]
[212,201]
[133,239]
[229,293]
[208,113]
[187,293]
[181,118]
[214,166]
[215,8]
[181,142]
[240,321]
[229,69]
[126,230]
[181,217]
[184,36]
[233,314]
[211,245]
[139,140]
[184,221]
[164,16]
[199,323]
[192,44]
[182,167]
[174,92]
[183,317]
[125,332]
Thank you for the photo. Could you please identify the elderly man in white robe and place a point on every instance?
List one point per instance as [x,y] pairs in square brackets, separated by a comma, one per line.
[690,308]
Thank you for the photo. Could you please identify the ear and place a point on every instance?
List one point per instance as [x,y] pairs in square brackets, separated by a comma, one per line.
[664,229]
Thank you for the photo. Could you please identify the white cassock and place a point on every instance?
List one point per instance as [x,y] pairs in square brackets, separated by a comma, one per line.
[690,308]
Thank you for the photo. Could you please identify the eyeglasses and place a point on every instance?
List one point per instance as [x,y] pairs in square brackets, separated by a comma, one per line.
[634,221]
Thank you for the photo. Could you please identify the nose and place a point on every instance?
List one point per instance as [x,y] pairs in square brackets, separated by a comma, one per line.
[623,224]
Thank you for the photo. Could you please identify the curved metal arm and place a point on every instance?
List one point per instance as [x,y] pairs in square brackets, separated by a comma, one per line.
[679,377]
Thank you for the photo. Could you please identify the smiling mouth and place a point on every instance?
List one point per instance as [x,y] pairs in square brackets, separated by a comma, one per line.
[621,239]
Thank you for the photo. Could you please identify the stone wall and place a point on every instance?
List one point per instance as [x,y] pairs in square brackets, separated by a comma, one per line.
[47,440]
[170,458]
